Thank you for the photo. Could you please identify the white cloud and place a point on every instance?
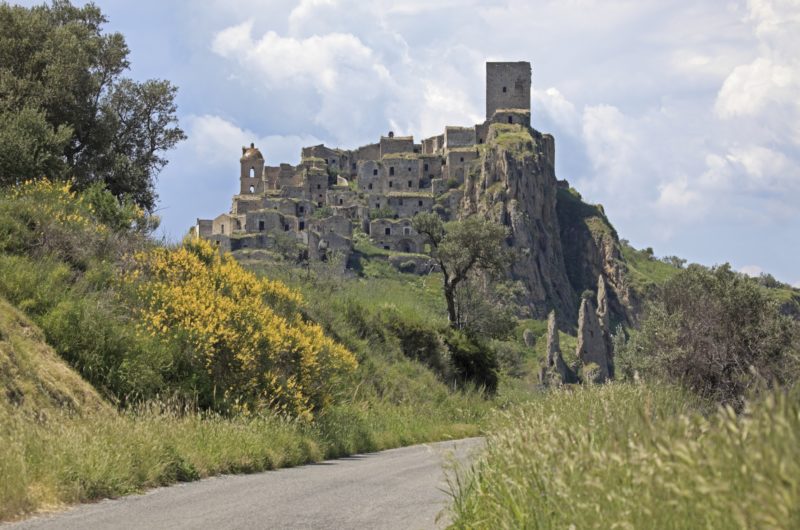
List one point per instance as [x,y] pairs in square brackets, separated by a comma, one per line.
[609,140]
[751,87]
[552,103]
[217,141]
[751,270]
[346,74]
[322,59]
[679,195]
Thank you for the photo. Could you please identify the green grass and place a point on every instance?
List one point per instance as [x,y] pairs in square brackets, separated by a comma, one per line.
[512,137]
[633,456]
[538,353]
[60,443]
[645,270]
[69,459]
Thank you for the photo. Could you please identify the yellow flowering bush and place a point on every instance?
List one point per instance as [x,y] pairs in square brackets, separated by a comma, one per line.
[51,218]
[246,333]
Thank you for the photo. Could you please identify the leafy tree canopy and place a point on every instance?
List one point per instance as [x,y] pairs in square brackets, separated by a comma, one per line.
[66,111]
[463,248]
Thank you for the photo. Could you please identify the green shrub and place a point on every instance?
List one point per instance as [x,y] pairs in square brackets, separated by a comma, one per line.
[323,212]
[717,332]
[409,266]
[511,356]
[473,361]
[419,341]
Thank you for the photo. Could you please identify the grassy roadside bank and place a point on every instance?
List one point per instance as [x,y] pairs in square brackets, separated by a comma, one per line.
[633,456]
[72,459]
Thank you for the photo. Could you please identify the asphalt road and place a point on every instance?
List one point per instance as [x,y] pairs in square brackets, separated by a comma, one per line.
[400,488]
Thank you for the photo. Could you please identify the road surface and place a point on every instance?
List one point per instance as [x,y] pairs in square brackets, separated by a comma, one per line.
[400,488]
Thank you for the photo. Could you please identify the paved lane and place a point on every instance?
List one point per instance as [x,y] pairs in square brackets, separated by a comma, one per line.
[399,488]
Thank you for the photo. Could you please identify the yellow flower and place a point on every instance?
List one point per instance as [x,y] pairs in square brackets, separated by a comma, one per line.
[247,331]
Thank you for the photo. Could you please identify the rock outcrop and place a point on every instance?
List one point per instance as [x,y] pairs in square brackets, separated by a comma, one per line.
[591,248]
[514,184]
[591,348]
[555,367]
[604,318]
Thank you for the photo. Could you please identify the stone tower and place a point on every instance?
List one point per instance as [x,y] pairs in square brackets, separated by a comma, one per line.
[508,86]
[252,170]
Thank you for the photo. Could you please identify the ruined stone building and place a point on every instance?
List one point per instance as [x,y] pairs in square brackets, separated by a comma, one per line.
[376,188]
[501,169]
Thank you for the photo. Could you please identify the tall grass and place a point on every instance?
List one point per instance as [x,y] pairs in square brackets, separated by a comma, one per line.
[629,456]
[73,458]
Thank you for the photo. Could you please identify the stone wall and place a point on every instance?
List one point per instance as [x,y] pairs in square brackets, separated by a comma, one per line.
[396,234]
[203,228]
[431,167]
[458,163]
[264,221]
[396,144]
[409,204]
[317,186]
[341,197]
[516,116]
[246,203]
[368,152]
[432,145]
[401,174]
[226,224]
[459,137]
[369,175]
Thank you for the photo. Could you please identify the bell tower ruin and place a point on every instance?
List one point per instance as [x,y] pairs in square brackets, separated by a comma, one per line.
[508,86]
[252,170]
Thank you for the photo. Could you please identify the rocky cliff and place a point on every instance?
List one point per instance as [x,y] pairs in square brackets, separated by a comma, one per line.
[561,244]
[591,249]
[514,184]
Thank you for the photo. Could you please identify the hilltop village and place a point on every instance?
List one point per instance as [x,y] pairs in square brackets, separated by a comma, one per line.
[376,188]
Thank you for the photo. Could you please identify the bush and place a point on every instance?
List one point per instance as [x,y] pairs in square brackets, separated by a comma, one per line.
[322,212]
[409,266]
[245,333]
[511,356]
[715,331]
[419,341]
[473,361]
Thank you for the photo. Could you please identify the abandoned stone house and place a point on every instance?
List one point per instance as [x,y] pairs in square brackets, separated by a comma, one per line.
[376,188]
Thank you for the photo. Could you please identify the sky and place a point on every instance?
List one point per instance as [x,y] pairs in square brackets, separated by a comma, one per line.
[681,118]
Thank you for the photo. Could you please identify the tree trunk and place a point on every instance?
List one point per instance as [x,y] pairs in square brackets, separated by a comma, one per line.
[450,296]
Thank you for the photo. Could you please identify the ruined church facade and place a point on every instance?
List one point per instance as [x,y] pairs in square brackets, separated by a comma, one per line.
[377,188]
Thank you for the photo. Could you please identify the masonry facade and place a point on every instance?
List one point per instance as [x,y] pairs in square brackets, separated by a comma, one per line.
[376,188]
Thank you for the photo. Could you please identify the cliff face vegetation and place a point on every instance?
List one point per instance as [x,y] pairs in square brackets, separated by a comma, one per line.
[592,248]
[561,244]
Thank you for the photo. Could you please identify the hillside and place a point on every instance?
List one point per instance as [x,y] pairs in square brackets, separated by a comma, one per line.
[34,380]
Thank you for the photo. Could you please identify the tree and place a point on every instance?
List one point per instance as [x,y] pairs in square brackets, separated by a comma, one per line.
[61,88]
[462,248]
[29,146]
[718,332]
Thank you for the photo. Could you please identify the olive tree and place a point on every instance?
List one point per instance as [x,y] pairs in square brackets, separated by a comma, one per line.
[462,249]
[66,111]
